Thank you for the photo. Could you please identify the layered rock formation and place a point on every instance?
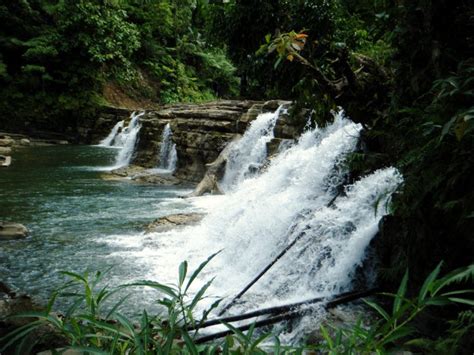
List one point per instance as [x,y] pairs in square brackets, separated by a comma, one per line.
[200,131]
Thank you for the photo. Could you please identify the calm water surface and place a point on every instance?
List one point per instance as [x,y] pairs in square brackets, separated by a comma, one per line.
[58,194]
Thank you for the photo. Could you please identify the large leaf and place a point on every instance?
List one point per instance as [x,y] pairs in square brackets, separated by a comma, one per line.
[402,289]
[428,284]
[183,269]
[155,285]
[198,270]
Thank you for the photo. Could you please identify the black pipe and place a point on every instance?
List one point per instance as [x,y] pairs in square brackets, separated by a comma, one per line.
[344,298]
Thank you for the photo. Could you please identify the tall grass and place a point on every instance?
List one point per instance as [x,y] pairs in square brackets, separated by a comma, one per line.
[91,325]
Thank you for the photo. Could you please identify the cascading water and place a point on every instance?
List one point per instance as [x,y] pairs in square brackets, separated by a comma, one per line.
[109,141]
[123,138]
[248,154]
[127,139]
[264,213]
[168,154]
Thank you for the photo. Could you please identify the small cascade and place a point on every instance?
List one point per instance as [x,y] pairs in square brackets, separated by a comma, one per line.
[126,140]
[247,155]
[109,141]
[168,153]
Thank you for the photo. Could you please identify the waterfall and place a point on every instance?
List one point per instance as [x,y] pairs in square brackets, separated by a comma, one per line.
[126,140]
[248,154]
[168,154]
[264,212]
[110,139]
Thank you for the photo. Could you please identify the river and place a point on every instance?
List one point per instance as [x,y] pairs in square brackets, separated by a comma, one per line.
[58,193]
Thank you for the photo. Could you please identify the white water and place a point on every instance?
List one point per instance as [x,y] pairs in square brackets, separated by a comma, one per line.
[168,153]
[110,139]
[126,141]
[264,213]
[247,155]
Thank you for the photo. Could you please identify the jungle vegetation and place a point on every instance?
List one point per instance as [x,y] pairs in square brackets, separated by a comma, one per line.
[404,69]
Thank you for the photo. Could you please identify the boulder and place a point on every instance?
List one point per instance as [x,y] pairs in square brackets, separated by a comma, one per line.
[156,179]
[138,174]
[44,337]
[214,173]
[167,223]
[25,141]
[11,231]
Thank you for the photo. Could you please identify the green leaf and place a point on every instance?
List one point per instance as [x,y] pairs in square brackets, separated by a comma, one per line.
[258,341]
[200,294]
[88,350]
[447,127]
[183,269]
[190,344]
[198,270]
[399,333]
[155,285]
[400,294]
[18,334]
[241,337]
[462,300]
[74,276]
[277,63]
[379,309]
[437,301]
[455,276]
[116,306]
[326,336]
[428,284]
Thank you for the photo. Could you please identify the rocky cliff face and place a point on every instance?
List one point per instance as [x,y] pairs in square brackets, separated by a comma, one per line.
[200,131]
[93,130]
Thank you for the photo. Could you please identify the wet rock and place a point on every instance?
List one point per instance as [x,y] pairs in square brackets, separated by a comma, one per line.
[278,144]
[5,150]
[6,142]
[167,223]
[157,179]
[200,131]
[44,337]
[214,173]
[11,231]
[138,174]
[25,141]
[5,160]
[343,316]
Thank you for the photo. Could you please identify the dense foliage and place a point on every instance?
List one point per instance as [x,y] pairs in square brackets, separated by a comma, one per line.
[404,69]
[58,57]
[95,324]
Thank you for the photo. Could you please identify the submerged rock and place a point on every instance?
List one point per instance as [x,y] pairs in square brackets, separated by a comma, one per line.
[11,231]
[5,160]
[167,223]
[141,175]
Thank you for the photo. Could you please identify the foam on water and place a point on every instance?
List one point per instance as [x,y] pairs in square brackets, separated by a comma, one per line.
[264,212]
[248,154]
[127,139]
[109,140]
[168,153]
